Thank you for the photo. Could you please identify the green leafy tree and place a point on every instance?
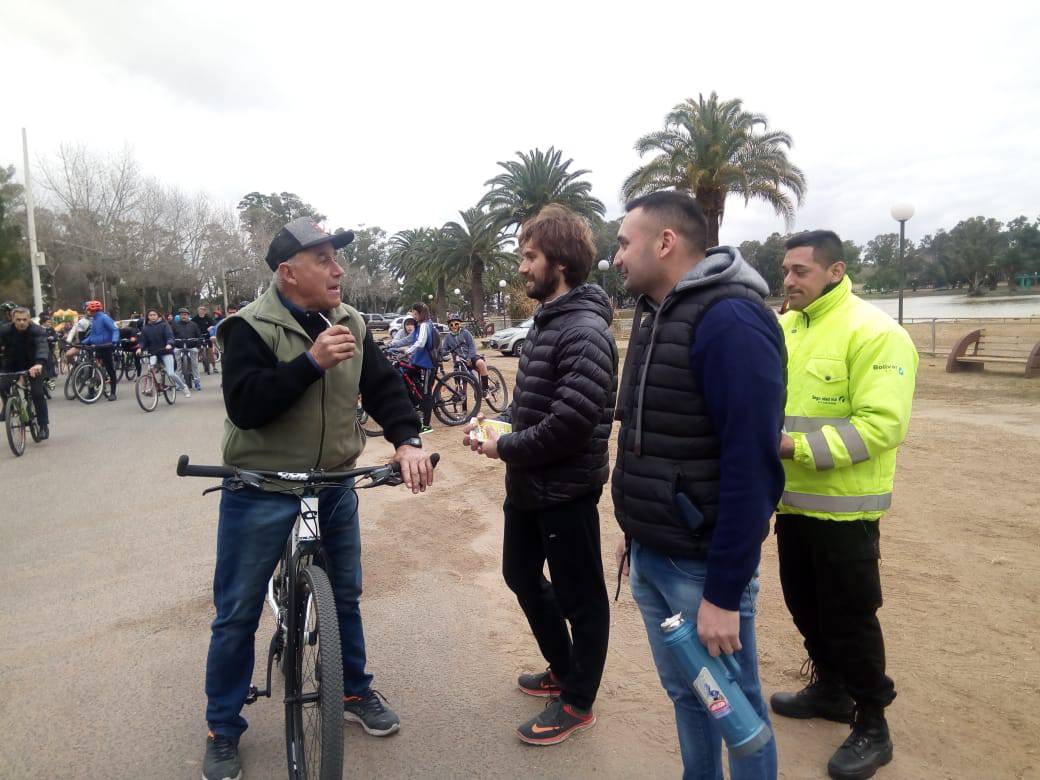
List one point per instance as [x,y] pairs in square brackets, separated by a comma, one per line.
[713,148]
[264,215]
[851,255]
[417,264]
[535,180]
[13,256]
[767,258]
[1023,249]
[976,247]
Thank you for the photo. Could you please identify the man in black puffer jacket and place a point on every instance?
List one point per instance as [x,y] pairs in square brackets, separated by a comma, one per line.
[556,465]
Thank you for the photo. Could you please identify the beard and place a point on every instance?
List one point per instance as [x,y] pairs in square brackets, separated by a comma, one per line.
[542,288]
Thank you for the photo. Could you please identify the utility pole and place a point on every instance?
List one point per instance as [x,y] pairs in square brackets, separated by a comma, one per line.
[34,256]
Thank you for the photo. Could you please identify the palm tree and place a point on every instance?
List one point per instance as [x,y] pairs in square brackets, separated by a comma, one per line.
[472,247]
[414,256]
[535,180]
[710,148]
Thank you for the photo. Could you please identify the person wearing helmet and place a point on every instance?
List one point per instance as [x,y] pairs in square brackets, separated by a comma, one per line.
[104,335]
[460,342]
[5,310]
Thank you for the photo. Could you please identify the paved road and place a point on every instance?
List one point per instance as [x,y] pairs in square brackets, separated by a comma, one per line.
[107,561]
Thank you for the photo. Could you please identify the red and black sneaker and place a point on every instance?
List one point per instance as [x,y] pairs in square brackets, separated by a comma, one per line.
[542,684]
[556,723]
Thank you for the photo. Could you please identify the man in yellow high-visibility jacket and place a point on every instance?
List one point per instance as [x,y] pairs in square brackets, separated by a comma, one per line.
[850,374]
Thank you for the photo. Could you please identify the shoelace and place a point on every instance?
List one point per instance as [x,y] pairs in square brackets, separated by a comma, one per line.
[372,703]
[224,748]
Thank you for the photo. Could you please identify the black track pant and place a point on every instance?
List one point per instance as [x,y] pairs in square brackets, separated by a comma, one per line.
[832,586]
[567,536]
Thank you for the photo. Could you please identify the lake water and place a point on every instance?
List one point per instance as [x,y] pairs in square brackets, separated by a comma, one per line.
[957,306]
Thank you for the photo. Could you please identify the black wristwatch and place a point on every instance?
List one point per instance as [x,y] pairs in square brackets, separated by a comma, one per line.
[415,441]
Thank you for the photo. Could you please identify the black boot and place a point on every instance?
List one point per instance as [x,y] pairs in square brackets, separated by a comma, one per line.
[868,747]
[824,697]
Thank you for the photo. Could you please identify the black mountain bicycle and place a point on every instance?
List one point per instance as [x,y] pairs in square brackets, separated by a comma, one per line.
[306,638]
[19,412]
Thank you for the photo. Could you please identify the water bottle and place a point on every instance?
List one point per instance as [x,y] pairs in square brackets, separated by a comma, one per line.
[716,683]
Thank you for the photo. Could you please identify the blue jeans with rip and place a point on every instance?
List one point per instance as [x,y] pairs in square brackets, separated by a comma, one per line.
[254,527]
[662,587]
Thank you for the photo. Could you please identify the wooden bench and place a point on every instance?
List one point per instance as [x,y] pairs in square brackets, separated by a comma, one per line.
[976,349]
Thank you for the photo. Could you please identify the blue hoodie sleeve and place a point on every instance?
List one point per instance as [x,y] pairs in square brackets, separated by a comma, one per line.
[738,361]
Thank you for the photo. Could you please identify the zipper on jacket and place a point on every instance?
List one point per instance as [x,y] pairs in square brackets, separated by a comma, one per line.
[321,441]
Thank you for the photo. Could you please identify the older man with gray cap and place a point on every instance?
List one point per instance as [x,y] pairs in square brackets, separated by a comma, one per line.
[294,363]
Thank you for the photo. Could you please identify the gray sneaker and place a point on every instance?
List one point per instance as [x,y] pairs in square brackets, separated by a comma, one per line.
[221,760]
[370,711]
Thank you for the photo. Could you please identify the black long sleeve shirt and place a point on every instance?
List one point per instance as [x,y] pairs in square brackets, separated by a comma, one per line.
[258,387]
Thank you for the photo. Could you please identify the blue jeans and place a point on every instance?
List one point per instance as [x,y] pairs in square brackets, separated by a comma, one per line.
[663,587]
[251,537]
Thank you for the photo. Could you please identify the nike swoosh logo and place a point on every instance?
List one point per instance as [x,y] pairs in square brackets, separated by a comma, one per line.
[543,729]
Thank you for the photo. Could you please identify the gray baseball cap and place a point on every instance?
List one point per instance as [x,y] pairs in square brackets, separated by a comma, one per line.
[300,234]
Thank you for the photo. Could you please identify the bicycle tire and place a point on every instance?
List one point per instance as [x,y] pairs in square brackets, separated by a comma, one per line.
[497,396]
[146,391]
[70,394]
[367,423]
[14,425]
[129,368]
[88,383]
[456,398]
[314,728]
[169,389]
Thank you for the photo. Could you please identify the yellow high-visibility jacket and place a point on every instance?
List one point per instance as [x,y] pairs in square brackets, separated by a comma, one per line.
[850,384]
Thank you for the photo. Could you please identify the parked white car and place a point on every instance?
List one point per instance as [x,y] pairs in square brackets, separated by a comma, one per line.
[511,340]
[398,323]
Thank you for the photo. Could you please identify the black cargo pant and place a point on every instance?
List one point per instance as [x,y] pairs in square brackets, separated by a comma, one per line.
[567,536]
[832,587]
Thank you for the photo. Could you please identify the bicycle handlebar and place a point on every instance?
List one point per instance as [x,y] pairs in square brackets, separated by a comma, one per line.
[185,469]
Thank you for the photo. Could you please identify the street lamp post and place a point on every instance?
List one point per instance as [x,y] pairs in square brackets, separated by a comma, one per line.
[901,213]
[501,305]
[603,266]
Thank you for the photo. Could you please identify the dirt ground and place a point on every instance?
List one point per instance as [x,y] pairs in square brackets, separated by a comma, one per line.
[961,578]
[107,563]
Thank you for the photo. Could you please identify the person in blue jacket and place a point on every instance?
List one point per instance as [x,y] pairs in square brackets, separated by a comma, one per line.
[425,345]
[104,336]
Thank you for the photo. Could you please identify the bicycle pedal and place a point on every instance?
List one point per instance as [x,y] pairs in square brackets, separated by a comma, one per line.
[253,695]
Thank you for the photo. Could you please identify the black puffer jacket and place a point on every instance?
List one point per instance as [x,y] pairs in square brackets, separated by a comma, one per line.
[563,404]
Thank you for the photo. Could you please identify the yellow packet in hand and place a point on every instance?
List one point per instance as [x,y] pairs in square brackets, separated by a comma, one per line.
[484,426]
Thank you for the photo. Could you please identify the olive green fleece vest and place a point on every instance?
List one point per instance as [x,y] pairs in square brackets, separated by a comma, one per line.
[321,429]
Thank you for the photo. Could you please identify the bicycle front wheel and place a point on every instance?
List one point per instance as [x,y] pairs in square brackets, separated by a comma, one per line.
[130,368]
[70,393]
[314,686]
[368,425]
[88,383]
[146,392]
[456,398]
[15,425]
[169,389]
[497,393]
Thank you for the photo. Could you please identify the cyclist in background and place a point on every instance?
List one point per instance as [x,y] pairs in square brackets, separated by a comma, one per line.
[81,329]
[204,322]
[24,348]
[424,354]
[104,335]
[405,336]
[5,310]
[183,330]
[460,342]
[156,339]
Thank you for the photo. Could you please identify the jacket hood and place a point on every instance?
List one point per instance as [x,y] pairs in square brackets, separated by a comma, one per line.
[584,297]
[723,265]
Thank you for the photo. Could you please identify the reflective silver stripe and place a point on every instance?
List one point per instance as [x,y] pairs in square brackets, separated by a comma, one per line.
[853,443]
[845,504]
[821,451]
[810,424]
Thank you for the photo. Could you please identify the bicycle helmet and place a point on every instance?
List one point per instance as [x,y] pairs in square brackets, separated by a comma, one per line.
[8,306]
[93,307]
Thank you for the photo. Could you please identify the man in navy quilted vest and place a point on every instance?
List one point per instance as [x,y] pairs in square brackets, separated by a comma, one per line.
[701,405]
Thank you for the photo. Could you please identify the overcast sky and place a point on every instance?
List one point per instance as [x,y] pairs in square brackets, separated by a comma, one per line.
[394,114]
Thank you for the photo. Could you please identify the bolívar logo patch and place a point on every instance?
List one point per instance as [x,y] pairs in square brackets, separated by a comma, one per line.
[888,367]
[711,694]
